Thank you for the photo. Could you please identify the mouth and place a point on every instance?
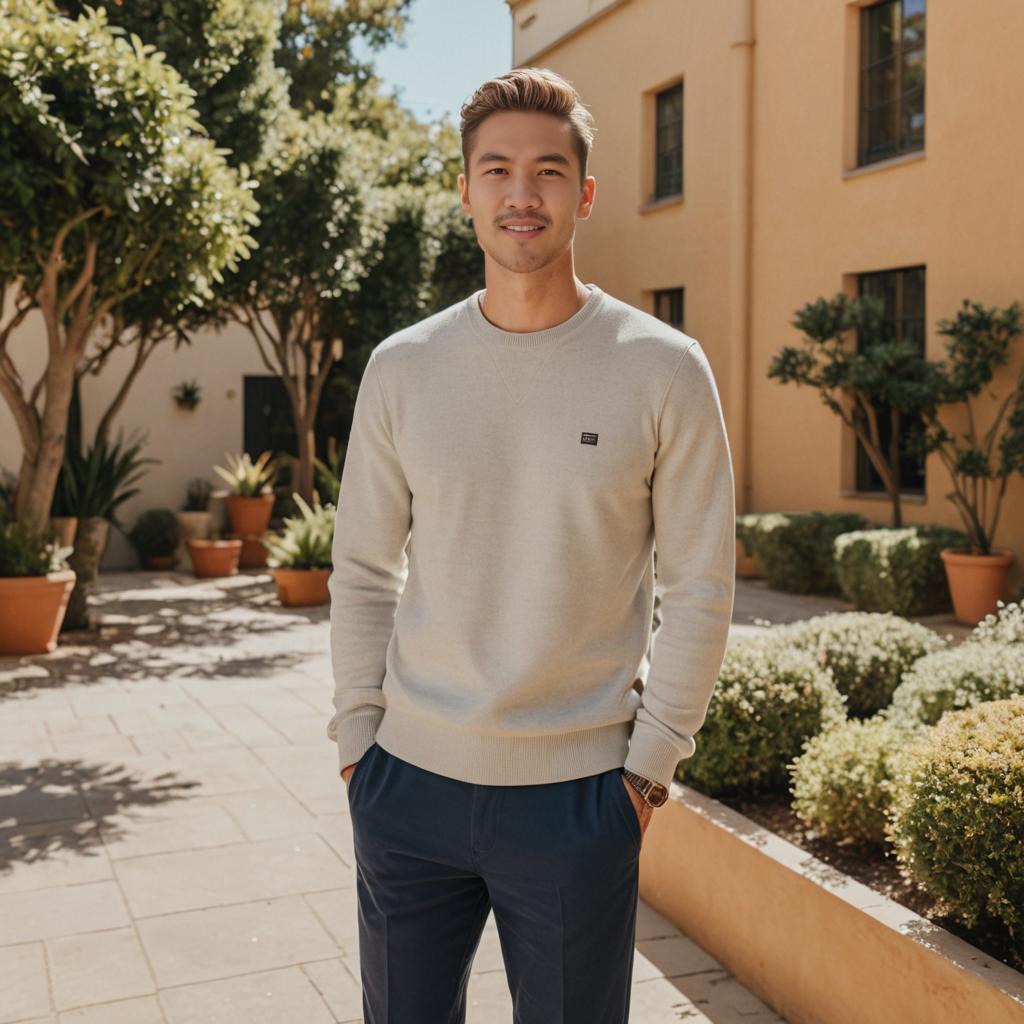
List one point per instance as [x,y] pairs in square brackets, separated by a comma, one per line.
[522,230]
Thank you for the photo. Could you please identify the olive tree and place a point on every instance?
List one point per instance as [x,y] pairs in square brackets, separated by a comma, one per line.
[109,187]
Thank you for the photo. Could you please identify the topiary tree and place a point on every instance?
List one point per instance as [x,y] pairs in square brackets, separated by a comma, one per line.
[851,383]
[981,341]
[108,188]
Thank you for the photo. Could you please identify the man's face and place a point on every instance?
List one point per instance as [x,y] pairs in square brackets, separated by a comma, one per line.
[523,171]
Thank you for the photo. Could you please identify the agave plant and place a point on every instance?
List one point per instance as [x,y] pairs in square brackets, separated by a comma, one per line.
[99,482]
[246,478]
[306,540]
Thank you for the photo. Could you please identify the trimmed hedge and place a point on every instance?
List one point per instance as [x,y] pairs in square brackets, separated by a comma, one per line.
[866,652]
[897,570]
[769,699]
[957,817]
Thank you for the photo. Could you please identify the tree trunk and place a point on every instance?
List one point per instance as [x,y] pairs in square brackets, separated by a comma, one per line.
[304,473]
[90,540]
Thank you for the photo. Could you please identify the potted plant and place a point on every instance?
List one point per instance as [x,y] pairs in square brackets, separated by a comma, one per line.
[194,516]
[981,339]
[214,556]
[155,536]
[103,480]
[35,585]
[187,394]
[300,558]
[251,498]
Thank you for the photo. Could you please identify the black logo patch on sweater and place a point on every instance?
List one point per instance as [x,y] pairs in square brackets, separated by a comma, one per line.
[587,438]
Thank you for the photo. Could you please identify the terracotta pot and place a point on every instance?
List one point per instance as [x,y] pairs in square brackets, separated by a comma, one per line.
[214,557]
[976,582]
[302,587]
[250,517]
[65,527]
[31,611]
[254,553]
[193,526]
[161,562]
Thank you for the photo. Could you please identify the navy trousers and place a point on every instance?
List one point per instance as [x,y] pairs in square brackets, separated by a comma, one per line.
[558,863]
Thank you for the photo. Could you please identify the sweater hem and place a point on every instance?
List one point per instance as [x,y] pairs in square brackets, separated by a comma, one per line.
[502,759]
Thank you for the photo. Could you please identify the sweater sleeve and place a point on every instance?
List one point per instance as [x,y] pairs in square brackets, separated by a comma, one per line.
[694,511]
[371,529]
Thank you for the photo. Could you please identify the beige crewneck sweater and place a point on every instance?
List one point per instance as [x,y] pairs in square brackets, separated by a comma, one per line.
[493,583]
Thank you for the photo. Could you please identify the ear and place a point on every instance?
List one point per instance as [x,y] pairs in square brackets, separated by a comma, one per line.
[586,203]
[464,192]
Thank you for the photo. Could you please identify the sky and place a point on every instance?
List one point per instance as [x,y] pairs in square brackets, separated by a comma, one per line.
[448,49]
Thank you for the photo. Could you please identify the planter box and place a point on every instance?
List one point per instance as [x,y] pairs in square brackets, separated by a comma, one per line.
[813,943]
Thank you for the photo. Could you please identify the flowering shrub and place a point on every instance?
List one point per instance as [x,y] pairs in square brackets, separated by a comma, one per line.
[957,816]
[867,652]
[1003,626]
[897,570]
[843,782]
[956,678]
[770,697]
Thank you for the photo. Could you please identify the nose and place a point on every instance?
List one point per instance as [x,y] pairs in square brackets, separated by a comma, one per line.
[521,194]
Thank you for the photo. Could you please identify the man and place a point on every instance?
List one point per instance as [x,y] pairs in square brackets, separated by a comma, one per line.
[513,459]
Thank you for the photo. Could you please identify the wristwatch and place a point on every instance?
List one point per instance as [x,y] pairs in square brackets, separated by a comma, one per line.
[653,792]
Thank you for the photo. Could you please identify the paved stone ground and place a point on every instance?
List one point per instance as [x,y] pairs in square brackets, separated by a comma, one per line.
[175,844]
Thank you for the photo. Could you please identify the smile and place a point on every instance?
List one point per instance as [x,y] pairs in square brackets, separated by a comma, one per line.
[526,231]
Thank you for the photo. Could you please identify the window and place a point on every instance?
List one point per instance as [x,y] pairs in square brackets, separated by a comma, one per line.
[668,157]
[902,292]
[891,79]
[668,306]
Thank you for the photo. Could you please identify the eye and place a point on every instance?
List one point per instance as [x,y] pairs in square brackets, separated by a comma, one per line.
[493,169]
[552,171]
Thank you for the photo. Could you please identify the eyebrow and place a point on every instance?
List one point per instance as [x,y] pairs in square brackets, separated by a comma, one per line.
[546,158]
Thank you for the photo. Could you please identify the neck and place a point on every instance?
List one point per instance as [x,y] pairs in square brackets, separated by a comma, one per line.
[531,302]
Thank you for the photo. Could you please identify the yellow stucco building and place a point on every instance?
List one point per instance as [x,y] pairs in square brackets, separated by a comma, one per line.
[752,156]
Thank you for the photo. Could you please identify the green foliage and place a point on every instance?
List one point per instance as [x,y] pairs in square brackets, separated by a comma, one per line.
[867,653]
[197,495]
[897,570]
[306,540]
[843,781]
[101,480]
[224,50]
[318,46]
[769,699]
[852,382]
[957,821]
[980,343]
[795,549]
[246,478]
[155,533]
[25,552]
[187,394]
[97,131]
[957,678]
[328,473]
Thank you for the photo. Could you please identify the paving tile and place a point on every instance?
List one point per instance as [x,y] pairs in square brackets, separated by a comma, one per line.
[270,813]
[672,956]
[97,967]
[24,991]
[206,945]
[129,1011]
[177,826]
[52,854]
[62,910]
[337,982]
[284,996]
[191,879]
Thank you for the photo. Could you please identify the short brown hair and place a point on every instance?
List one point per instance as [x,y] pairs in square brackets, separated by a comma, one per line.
[529,89]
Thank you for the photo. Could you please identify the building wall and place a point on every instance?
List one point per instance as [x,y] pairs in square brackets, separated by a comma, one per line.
[775,215]
[187,443]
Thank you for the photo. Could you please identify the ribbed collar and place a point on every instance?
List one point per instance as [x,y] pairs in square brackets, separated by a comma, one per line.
[531,339]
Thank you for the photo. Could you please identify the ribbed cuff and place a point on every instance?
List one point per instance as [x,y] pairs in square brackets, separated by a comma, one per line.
[651,755]
[356,735]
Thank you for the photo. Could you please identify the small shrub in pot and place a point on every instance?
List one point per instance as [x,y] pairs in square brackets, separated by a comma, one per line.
[155,535]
